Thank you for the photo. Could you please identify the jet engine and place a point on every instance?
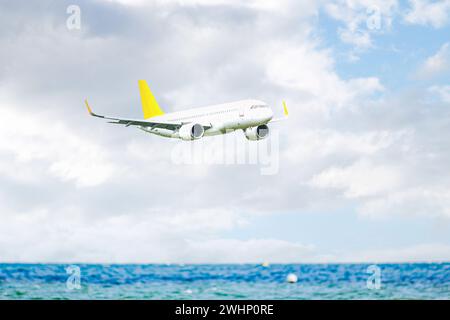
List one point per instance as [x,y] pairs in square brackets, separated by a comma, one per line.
[191,131]
[257,133]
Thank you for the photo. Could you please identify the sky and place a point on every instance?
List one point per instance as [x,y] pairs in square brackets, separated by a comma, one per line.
[361,169]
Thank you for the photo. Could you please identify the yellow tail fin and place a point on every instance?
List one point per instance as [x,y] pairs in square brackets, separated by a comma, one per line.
[149,105]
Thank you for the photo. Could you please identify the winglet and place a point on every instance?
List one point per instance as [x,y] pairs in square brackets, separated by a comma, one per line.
[88,107]
[286,112]
[90,110]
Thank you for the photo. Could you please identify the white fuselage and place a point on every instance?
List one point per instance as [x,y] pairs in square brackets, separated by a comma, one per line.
[220,119]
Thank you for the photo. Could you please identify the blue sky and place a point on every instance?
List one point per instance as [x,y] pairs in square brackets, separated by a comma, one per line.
[363,160]
[325,230]
[402,50]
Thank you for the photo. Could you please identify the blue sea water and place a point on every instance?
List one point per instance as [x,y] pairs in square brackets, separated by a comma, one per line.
[232,281]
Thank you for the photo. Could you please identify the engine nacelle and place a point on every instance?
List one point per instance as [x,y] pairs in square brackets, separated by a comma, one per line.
[191,131]
[257,133]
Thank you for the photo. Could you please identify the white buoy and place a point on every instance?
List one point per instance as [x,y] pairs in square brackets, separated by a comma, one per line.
[291,278]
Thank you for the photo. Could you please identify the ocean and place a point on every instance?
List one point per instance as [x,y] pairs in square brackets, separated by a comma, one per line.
[226,281]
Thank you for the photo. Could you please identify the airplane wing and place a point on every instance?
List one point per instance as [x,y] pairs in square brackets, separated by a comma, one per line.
[141,123]
[285,112]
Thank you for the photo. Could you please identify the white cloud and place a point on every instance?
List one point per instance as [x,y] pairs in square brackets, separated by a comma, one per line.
[428,252]
[313,145]
[73,237]
[443,92]
[266,5]
[415,200]
[436,64]
[426,12]
[361,179]
[310,70]
[361,19]
[253,251]
[30,138]
[360,39]
[148,238]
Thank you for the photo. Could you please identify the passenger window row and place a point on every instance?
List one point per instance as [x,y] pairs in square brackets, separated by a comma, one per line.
[203,115]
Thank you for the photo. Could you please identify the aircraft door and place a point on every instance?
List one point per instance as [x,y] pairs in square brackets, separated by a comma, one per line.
[241,112]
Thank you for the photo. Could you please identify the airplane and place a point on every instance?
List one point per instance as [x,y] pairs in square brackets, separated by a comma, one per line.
[251,116]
